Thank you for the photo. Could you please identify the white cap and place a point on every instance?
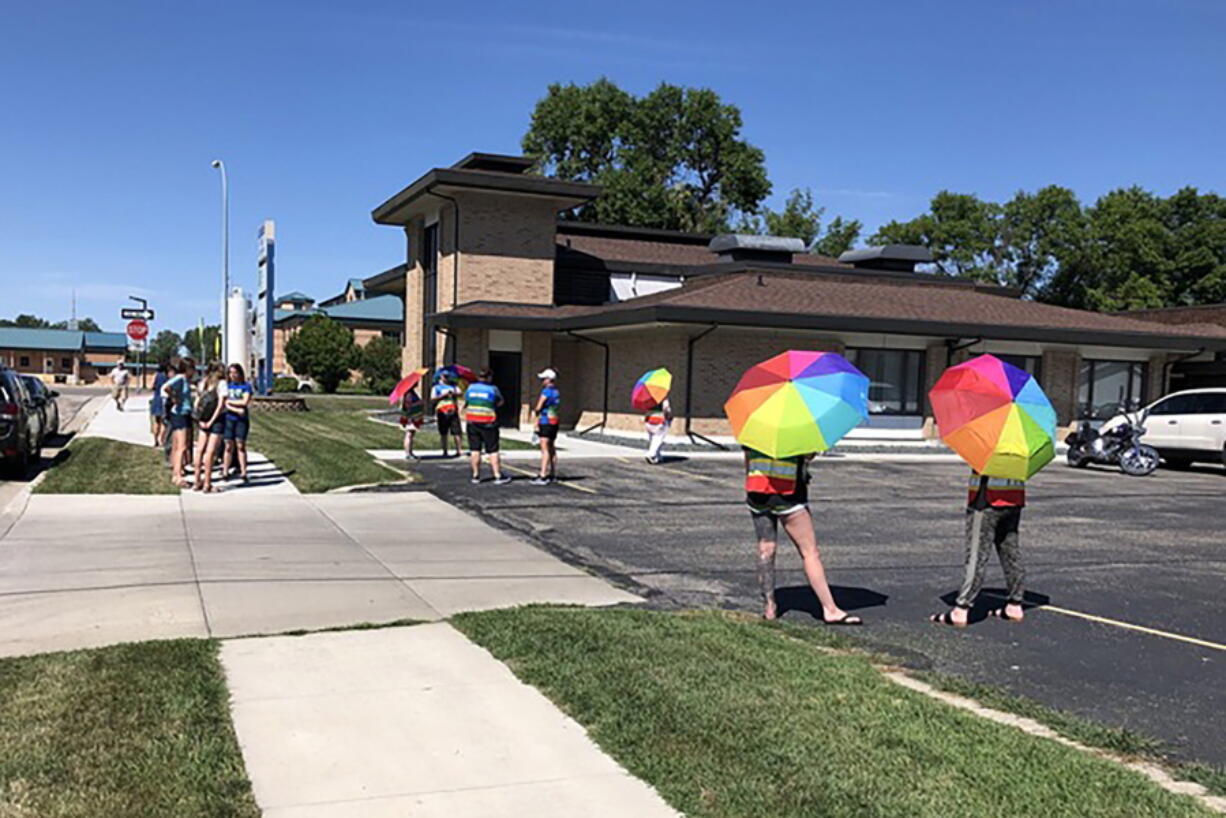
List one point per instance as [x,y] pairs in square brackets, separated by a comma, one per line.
[549,373]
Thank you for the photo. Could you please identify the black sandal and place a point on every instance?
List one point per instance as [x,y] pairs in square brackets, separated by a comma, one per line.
[1003,613]
[847,620]
[946,619]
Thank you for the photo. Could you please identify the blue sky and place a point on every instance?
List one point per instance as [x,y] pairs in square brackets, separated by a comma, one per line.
[111,112]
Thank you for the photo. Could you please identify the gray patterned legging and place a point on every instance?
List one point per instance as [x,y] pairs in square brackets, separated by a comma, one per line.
[985,529]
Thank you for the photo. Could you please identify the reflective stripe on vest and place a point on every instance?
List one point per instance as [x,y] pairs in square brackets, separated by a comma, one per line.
[656,417]
[768,475]
[1001,492]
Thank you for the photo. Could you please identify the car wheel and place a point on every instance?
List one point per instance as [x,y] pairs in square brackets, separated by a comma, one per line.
[1178,463]
[306,387]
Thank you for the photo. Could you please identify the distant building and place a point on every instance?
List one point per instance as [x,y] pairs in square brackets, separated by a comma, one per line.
[61,355]
[1197,372]
[493,277]
[367,317]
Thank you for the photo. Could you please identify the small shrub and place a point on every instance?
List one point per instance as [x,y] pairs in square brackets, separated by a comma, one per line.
[285,384]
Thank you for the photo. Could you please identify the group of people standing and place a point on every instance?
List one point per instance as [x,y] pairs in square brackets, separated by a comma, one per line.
[481,401]
[193,415]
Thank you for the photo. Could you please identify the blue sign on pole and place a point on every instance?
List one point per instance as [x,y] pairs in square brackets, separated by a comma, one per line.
[264,305]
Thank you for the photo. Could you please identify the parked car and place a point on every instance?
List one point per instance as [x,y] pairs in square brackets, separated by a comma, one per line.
[48,406]
[21,425]
[1187,427]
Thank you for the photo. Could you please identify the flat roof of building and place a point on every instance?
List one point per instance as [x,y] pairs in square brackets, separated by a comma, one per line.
[61,340]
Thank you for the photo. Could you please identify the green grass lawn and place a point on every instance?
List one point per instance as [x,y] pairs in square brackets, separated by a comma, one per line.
[120,732]
[325,448]
[728,717]
[97,465]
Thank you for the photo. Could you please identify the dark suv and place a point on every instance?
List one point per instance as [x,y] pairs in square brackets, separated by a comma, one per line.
[48,406]
[21,430]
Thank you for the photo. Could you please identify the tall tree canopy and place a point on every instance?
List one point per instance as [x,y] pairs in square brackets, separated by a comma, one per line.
[212,334]
[165,345]
[324,350]
[672,159]
[1131,249]
[801,219]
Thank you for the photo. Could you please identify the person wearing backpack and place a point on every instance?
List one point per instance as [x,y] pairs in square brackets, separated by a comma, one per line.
[178,396]
[210,402]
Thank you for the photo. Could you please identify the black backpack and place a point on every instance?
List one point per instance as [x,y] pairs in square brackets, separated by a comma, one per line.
[206,404]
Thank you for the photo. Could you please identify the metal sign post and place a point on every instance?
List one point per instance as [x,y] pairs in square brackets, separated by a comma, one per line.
[265,260]
[142,315]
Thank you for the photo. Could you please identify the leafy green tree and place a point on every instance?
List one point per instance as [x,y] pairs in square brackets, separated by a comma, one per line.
[191,340]
[380,364]
[25,321]
[673,159]
[164,346]
[840,236]
[88,325]
[322,349]
[958,228]
[800,219]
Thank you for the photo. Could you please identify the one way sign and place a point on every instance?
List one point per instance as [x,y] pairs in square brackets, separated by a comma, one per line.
[133,314]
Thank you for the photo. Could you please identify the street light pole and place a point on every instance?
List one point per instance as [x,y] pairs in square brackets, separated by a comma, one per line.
[225,260]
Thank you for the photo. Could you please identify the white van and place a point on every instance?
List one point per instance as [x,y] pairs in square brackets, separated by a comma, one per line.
[1189,426]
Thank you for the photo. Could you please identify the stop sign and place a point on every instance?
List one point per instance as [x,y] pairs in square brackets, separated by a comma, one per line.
[138,330]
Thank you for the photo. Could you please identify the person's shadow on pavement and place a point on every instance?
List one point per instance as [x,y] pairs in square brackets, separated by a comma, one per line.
[849,598]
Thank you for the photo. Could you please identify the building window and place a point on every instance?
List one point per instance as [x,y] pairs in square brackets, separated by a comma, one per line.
[896,379]
[48,365]
[395,335]
[25,361]
[66,363]
[429,265]
[1105,388]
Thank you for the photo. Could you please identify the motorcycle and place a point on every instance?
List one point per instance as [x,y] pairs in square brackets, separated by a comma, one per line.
[1120,445]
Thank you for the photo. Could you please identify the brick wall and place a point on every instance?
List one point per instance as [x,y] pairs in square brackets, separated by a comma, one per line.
[1061,369]
[506,248]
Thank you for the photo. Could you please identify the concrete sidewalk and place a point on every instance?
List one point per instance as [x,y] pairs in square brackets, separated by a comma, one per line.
[89,570]
[412,721]
[132,426]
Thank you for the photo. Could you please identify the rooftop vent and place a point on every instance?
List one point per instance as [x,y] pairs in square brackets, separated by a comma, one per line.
[742,247]
[499,162]
[898,257]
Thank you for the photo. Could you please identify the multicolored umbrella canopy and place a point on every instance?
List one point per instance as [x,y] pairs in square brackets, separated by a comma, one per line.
[996,417]
[456,371]
[650,389]
[797,403]
[406,383]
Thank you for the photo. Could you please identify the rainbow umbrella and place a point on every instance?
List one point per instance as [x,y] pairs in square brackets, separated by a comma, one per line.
[456,370]
[996,417]
[650,389]
[406,383]
[797,403]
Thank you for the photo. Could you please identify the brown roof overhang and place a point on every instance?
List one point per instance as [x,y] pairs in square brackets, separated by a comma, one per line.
[597,318]
[396,209]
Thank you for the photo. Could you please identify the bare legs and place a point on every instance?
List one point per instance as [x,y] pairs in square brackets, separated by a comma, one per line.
[799,528]
[409,434]
[495,464]
[205,474]
[549,458]
[178,455]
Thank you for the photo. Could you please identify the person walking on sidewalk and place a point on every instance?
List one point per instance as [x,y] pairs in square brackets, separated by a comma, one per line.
[157,405]
[657,420]
[546,411]
[446,397]
[777,491]
[412,416]
[209,414]
[993,514]
[481,403]
[178,394]
[119,384]
[238,424]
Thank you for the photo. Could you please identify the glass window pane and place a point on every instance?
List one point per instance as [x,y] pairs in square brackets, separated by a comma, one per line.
[894,379]
[1112,380]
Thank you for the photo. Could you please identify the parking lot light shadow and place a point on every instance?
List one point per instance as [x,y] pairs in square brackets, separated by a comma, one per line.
[801,598]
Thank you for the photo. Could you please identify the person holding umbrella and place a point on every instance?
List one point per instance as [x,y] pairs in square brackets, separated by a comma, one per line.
[997,418]
[412,408]
[446,396]
[650,395]
[783,411]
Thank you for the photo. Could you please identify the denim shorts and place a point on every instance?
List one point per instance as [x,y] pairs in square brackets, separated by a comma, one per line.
[178,422]
[237,427]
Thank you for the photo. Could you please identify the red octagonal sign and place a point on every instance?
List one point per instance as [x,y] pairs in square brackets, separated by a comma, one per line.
[138,330]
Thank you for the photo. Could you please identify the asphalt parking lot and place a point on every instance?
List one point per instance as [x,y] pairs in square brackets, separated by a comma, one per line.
[1126,575]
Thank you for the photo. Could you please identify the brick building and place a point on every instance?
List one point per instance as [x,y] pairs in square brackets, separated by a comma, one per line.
[61,355]
[492,275]
[1198,372]
[378,315]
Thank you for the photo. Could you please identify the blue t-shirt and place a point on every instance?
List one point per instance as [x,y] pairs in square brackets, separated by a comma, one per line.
[549,410]
[157,403]
[235,392]
[181,391]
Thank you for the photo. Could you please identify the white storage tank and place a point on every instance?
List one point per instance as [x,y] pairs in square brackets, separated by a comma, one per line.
[238,329]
